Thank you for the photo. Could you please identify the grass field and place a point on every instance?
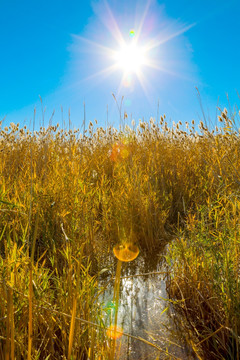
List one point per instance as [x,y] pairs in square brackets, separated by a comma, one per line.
[66,200]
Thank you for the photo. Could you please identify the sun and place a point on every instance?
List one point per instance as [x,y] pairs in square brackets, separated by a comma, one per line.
[131,52]
[130,58]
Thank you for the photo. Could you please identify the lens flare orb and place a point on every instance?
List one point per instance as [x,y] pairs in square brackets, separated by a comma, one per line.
[132,33]
[126,252]
[114,332]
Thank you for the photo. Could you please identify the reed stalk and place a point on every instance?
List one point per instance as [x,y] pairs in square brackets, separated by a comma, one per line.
[30,316]
[72,327]
[116,303]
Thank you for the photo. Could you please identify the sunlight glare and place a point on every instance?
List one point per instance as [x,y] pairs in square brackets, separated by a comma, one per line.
[130,58]
[135,55]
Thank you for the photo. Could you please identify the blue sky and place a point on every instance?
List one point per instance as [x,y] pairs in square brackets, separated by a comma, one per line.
[62,50]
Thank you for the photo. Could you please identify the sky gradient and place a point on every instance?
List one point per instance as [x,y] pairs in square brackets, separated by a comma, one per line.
[61,50]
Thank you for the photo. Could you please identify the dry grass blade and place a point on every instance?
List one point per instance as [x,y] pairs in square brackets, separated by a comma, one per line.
[72,327]
[10,292]
[30,316]
[8,326]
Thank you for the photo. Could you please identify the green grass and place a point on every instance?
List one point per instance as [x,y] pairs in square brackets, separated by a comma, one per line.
[67,199]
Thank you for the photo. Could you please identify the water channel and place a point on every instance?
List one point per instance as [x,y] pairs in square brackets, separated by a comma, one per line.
[144,312]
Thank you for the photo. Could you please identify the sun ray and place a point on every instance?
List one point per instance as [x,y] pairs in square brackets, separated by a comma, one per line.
[112,25]
[161,68]
[102,48]
[139,29]
[165,70]
[156,43]
[145,86]
[107,71]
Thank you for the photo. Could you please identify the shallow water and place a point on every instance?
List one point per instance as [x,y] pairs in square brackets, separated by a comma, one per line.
[144,313]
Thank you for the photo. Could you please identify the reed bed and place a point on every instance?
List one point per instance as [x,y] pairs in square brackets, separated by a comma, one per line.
[67,198]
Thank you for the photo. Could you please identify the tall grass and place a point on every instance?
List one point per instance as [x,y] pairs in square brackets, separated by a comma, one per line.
[66,199]
[204,261]
[205,278]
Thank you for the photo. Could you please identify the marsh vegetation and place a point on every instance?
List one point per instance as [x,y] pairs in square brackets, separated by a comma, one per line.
[68,199]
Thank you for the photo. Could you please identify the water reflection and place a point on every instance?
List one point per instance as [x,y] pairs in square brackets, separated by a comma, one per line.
[143,312]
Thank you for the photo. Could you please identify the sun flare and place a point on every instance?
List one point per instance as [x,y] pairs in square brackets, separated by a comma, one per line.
[130,58]
[134,53]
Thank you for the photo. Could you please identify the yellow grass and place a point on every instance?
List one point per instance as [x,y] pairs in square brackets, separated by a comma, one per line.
[67,199]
